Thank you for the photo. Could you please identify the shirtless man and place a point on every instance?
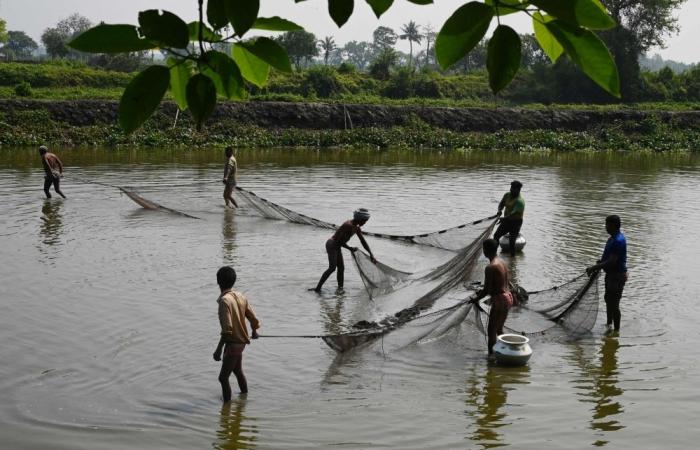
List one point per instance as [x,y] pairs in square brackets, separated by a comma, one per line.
[496,286]
[340,239]
[230,177]
[53,169]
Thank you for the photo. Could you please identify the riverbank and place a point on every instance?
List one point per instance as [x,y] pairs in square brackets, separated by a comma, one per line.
[280,124]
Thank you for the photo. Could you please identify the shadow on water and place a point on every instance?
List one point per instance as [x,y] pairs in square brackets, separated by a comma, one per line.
[599,386]
[234,432]
[486,397]
[51,226]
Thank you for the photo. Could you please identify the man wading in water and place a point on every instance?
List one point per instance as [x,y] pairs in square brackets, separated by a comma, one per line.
[340,239]
[496,283]
[614,263]
[230,174]
[53,169]
[512,221]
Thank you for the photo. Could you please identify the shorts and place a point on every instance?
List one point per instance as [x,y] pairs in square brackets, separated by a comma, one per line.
[231,184]
[233,349]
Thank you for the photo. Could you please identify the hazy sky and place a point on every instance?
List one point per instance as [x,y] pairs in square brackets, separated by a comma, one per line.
[33,16]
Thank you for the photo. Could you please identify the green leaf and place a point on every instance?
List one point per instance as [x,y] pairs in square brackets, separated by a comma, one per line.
[242,14]
[588,52]
[216,14]
[422,2]
[504,10]
[225,74]
[503,57]
[166,28]
[462,31]
[551,47]
[271,52]
[340,10]
[585,13]
[252,68]
[180,73]
[276,23]
[379,6]
[142,96]
[201,97]
[207,34]
[111,39]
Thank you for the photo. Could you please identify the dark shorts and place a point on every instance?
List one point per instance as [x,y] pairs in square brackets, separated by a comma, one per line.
[335,254]
[508,226]
[233,350]
[614,285]
[231,185]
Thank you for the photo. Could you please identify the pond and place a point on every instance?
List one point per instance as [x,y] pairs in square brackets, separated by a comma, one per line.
[109,315]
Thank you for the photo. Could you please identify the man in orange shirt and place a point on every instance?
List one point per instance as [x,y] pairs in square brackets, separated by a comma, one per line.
[233,310]
[53,169]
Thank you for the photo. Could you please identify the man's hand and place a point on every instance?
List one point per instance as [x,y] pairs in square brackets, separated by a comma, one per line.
[590,270]
[224,181]
[373,259]
[217,355]
[499,213]
[353,249]
[255,334]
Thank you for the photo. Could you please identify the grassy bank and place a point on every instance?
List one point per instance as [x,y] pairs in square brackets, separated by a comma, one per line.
[36,127]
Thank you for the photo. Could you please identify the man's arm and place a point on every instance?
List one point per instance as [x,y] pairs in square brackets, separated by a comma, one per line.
[227,171]
[361,237]
[254,322]
[219,349]
[60,165]
[226,324]
[611,261]
[502,204]
[488,277]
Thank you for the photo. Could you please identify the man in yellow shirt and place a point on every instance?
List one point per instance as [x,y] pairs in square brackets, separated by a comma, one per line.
[230,177]
[512,220]
[233,310]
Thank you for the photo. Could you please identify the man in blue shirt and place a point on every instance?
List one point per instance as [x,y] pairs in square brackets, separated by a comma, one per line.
[614,263]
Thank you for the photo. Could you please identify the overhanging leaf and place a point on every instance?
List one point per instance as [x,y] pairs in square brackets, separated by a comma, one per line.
[111,39]
[142,96]
[551,47]
[180,73]
[225,74]
[271,52]
[503,57]
[164,27]
[421,2]
[208,34]
[585,13]
[201,98]
[461,32]
[340,10]
[588,52]
[252,68]
[216,14]
[242,14]
[379,6]
[503,9]
[276,23]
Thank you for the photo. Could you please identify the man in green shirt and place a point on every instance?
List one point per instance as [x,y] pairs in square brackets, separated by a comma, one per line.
[512,220]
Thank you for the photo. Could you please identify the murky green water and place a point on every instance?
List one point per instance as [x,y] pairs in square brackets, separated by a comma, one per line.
[109,316]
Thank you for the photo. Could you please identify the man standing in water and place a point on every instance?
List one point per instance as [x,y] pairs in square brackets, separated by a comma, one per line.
[53,169]
[230,177]
[614,263]
[233,310]
[496,282]
[511,222]
[340,239]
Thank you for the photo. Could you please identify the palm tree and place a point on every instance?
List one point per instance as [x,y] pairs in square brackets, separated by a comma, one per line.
[429,36]
[411,32]
[327,45]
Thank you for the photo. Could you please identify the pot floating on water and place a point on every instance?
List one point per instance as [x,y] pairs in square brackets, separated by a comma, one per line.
[504,242]
[512,350]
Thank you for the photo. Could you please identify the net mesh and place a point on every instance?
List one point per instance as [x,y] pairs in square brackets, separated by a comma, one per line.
[454,238]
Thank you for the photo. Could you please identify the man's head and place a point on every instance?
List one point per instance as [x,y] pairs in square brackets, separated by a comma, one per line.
[43,149]
[613,224]
[360,216]
[229,152]
[226,277]
[490,248]
[515,187]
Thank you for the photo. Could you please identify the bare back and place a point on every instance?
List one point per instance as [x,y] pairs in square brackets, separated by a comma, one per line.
[496,278]
[344,232]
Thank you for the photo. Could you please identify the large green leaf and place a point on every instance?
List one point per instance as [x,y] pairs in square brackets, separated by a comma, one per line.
[225,74]
[216,14]
[208,35]
[164,27]
[503,57]
[503,9]
[551,47]
[421,2]
[252,68]
[201,98]
[111,39]
[142,96]
[379,6]
[242,14]
[276,23]
[180,73]
[588,52]
[462,31]
[585,13]
[340,10]
[271,52]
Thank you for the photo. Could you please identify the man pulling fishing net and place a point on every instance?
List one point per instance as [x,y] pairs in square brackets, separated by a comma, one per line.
[340,240]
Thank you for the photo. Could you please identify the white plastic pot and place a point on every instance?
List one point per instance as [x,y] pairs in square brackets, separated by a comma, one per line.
[512,350]
[504,242]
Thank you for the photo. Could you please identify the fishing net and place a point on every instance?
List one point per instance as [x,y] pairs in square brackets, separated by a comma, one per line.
[454,238]
[567,311]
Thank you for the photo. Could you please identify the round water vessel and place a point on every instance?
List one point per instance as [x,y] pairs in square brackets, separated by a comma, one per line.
[504,242]
[512,350]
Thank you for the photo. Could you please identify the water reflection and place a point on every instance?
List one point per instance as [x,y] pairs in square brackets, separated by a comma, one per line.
[599,386]
[51,226]
[228,239]
[233,433]
[485,401]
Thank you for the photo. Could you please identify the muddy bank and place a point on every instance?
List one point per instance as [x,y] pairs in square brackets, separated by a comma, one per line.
[319,116]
